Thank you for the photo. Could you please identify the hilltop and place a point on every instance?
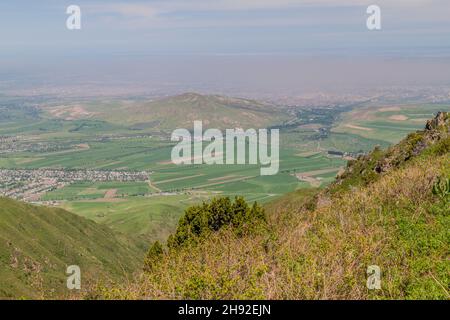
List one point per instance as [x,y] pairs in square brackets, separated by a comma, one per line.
[178,112]
[38,243]
[215,111]
[389,208]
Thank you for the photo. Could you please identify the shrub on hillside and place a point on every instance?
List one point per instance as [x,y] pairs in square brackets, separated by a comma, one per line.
[442,188]
[154,254]
[200,220]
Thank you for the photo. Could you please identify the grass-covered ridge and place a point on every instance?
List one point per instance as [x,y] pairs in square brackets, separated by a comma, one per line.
[38,243]
[388,209]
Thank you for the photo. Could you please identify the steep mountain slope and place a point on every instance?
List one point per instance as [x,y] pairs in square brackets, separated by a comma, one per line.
[37,244]
[388,209]
[182,110]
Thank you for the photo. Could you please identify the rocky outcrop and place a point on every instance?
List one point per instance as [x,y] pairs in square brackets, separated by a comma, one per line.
[435,130]
[366,168]
[439,122]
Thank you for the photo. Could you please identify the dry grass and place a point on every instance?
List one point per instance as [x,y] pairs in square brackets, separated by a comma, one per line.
[318,254]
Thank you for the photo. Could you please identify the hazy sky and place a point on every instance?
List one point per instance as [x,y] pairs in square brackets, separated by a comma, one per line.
[268,46]
[409,27]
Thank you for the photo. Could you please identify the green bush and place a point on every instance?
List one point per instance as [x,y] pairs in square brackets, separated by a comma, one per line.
[154,254]
[200,220]
[442,188]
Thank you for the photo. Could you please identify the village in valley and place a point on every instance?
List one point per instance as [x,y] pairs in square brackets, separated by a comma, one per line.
[30,184]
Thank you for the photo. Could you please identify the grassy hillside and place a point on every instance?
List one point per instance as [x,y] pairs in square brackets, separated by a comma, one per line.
[389,208]
[37,244]
[181,111]
[152,218]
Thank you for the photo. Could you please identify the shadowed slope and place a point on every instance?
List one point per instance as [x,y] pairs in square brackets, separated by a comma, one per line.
[38,243]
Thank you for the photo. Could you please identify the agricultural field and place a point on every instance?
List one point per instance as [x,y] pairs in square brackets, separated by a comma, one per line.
[152,209]
[139,207]
[125,153]
[150,218]
[76,137]
[98,190]
[387,123]
[243,179]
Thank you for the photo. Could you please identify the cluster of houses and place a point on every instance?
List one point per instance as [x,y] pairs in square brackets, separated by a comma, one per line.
[10,144]
[30,185]
[17,144]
